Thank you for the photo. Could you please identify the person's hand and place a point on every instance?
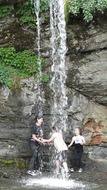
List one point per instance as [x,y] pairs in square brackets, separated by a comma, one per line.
[42,141]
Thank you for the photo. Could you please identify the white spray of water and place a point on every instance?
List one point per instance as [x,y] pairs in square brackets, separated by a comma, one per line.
[54,183]
[58,51]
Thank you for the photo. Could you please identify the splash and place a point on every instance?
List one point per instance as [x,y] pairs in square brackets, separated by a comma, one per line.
[53,183]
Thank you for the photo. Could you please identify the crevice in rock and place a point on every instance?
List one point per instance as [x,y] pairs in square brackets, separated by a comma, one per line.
[92,50]
[88,97]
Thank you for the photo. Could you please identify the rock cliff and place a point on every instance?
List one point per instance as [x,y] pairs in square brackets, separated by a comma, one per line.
[86,66]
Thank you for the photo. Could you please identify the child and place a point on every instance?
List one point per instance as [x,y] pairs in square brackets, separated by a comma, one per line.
[78,141]
[61,149]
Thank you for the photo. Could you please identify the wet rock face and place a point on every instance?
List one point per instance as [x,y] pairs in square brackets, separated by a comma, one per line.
[86,87]
[91,76]
[12,34]
[91,117]
[98,153]
[87,79]
[88,68]
[17,114]
[16,117]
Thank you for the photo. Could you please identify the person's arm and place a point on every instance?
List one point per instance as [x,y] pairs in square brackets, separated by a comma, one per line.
[83,141]
[36,138]
[71,143]
[48,140]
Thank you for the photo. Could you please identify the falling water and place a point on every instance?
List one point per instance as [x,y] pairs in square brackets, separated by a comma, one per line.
[37,13]
[58,51]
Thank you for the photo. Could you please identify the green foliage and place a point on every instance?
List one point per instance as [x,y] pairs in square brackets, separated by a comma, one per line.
[44,11]
[7,55]
[4,76]
[26,15]
[66,9]
[15,65]
[5,10]
[26,12]
[12,64]
[45,78]
[25,61]
[87,7]
[44,5]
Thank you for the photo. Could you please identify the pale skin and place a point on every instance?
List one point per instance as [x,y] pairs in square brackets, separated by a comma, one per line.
[50,140]
[77,133]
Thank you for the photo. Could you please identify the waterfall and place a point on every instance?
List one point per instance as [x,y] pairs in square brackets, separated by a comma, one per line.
[38,39]
[58,71]
[58,51]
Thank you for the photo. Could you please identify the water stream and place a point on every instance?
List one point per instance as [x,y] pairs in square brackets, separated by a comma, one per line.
[58,51]
[36,4]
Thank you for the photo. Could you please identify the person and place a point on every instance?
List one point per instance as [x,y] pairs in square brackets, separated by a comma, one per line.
[61,148]
[77,141]
[35,164]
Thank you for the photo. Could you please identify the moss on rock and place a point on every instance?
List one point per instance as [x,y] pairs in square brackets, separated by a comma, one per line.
[17,162]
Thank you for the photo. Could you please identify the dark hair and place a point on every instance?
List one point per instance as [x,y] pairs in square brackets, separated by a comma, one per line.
[80,130]
[54,128]
[38,117]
